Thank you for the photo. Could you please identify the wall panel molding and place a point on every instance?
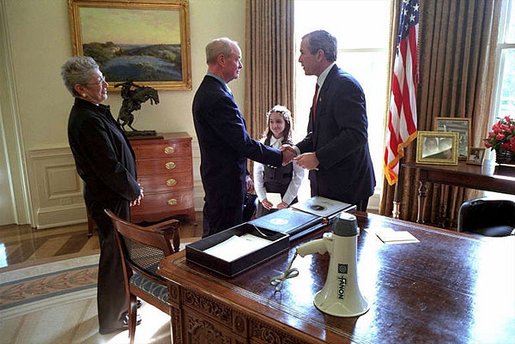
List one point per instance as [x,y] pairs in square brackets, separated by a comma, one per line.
[198,189]
[56,188]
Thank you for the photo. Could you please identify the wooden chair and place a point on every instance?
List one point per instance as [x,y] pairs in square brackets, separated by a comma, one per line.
[142,249]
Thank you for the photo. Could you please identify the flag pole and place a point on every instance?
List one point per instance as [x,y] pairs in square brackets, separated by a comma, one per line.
[396,211]
[402,114]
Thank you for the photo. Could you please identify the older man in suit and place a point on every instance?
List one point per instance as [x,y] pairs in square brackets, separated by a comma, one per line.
[224,141]
[335,149]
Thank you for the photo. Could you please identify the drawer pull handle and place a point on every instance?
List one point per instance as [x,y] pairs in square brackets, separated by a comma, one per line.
[171,182]
[172,201]
[170,165]
[169,150]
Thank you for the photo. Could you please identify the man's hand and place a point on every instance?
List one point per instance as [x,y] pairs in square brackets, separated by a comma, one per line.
[309,161]
[249,183]
[137,201]
[288,154]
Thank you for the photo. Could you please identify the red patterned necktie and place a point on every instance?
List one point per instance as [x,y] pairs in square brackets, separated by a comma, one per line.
[315,97]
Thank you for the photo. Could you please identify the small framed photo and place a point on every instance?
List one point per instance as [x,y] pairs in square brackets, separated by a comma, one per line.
[476,156]
[460,126]
[437,147]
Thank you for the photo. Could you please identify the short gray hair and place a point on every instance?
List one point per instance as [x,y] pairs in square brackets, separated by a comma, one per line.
[219,46]
[322,39]
[77,70]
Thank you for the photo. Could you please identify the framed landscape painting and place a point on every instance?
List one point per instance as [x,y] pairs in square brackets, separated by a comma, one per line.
[146,42]
[457,125]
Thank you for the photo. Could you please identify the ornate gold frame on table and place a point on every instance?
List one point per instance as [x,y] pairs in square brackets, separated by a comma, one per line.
[145,41]
[437,147]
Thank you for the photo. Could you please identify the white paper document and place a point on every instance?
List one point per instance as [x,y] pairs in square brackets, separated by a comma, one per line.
[237,246]
[389,236]
[274,198]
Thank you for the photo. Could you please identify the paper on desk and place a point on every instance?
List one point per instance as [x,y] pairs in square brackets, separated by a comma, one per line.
[274,198]
[237,246]
[389,236]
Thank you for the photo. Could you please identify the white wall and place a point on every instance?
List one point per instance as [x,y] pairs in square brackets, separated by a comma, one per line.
[37,35]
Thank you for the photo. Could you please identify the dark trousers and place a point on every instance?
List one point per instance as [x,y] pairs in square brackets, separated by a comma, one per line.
[112,301]
[219,217]
[362,205]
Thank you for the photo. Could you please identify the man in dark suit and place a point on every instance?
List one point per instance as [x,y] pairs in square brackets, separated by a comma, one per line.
[335,149]
[224,141]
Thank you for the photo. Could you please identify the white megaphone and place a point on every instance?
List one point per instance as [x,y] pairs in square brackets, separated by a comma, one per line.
[340,295]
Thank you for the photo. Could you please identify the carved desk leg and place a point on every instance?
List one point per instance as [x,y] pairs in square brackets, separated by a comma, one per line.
[422,192]
[443,205]
[176,326]
[396,211]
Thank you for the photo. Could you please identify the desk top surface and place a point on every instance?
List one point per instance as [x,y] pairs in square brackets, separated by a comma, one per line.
[488,169]
[449,287]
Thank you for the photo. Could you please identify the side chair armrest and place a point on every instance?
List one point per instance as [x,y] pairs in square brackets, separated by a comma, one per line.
[169,225]
[170,229]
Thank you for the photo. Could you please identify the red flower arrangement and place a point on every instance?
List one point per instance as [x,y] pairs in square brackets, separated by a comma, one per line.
[502,136]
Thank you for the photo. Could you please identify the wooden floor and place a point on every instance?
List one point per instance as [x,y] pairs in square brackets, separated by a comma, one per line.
[22,246]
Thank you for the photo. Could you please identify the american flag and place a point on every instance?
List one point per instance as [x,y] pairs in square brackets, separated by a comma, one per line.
[402,115]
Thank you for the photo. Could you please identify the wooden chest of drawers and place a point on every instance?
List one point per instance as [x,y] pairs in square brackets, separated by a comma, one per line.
[165,170]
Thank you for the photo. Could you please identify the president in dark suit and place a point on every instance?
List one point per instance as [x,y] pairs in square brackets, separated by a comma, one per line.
[335,149]
[105,161]
[225,144]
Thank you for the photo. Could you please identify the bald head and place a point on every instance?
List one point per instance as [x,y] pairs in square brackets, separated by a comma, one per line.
[219,46]
[223,57]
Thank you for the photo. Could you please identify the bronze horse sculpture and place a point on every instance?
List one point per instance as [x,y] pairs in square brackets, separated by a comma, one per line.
[133,95]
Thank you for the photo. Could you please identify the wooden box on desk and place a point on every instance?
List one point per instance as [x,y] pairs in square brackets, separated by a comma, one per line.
[196,252]
[165,170]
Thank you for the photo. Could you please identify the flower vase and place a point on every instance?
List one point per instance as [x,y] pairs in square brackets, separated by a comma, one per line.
[504,157]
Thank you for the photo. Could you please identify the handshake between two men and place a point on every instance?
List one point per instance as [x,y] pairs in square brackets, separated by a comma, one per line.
[308,161]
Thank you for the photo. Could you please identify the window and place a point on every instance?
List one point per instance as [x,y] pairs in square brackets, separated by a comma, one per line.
[362,28]
[504,101]
[504,96]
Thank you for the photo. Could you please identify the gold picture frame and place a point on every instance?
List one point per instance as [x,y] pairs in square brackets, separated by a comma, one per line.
[437,147]
[476,156]
[460,126]
[147,41]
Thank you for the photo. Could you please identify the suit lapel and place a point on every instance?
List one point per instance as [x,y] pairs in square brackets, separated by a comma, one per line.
[320,107]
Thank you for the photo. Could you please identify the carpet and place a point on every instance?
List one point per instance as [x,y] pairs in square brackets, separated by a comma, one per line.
[31,284]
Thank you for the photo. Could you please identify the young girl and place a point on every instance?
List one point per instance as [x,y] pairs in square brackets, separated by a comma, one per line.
[284,180]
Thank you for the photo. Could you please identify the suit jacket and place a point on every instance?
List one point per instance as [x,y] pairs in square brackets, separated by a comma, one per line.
[338,134]
[225,144]
[103,155]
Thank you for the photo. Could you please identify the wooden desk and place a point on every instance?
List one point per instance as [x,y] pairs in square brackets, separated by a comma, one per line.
[448,288]
[488,177]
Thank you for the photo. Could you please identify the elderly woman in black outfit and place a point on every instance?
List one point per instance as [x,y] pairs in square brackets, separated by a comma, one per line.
[105,162]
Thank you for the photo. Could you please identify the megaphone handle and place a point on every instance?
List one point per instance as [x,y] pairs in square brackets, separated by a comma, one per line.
[313,246]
